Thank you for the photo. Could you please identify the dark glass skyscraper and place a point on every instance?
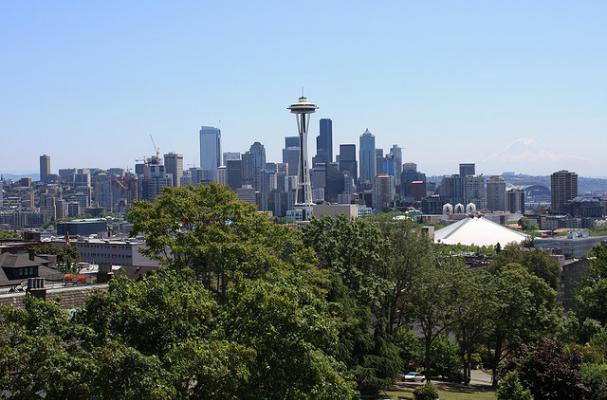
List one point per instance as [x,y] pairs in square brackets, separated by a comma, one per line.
[324,142]
[347,159]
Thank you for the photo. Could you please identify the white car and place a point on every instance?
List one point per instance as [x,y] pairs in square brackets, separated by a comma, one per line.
[414,377]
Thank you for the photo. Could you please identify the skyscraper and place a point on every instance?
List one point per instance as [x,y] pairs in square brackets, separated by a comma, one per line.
[290,155]
[516,200]
[103,191]
[379,162]
[396,153]
[153,182]
[210,151]
[230,155]
[347,160]
[234,174]
[367,158]
[475,191]
[467,169]
[383,192]
[290,142]
[496,194]
[451,189]
[248,169]
[45,168]
[259,157]
[324,142]
[173,164]
[563,186]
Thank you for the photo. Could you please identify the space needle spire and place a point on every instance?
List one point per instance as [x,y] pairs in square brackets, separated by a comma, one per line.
[302,110]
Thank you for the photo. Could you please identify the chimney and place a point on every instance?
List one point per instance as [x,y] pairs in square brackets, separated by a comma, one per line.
[104,274]
[35,286]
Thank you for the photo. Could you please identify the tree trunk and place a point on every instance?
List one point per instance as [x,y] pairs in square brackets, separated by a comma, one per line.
[428,344]
[469,375]
[496,360]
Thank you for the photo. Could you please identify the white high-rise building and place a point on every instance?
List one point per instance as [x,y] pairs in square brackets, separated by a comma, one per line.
[210,151]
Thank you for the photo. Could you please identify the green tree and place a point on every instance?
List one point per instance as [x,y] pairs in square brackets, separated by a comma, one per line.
[526,225]
[208,229]
[511,388]
[538,262]
[473,313]
[444,357]
[431,303]
[353,254]
[8,235]
[224,319]
[526,309]
[68,256]
[592,292]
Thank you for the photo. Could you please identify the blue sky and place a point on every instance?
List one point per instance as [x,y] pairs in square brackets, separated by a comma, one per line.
[518,86]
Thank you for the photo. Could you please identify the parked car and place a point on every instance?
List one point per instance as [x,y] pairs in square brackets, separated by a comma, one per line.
[413,377]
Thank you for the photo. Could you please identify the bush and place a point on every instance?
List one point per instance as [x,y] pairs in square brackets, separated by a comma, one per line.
[426,392]
[550,371]
[511,388]
[594,377]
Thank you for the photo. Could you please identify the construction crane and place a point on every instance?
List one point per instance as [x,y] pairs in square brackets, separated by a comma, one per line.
[156,148]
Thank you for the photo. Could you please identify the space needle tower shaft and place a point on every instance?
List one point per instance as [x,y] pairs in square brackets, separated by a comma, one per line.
[302,110]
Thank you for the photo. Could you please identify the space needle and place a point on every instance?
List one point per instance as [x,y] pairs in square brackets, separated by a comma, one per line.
[302,110]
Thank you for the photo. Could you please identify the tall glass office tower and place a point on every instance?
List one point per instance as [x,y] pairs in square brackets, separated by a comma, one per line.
[367,158]
[210,152]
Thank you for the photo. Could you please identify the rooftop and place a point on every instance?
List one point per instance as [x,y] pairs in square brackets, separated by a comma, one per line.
[478,231]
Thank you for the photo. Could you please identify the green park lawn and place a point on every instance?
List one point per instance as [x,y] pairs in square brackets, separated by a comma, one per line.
[447,393]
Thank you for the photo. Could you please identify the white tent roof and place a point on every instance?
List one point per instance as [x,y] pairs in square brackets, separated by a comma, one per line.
[478,231]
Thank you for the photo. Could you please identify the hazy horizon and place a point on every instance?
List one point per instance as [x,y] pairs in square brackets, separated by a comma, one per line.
[512,87]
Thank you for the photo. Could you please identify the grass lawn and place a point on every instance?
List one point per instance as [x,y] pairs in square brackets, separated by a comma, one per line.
[447,393]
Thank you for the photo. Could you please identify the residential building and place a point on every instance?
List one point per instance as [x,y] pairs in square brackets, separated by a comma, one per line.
[496,193]
[516,200]
[563,187]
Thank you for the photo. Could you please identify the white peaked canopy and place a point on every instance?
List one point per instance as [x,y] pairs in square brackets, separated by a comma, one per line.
[478,231]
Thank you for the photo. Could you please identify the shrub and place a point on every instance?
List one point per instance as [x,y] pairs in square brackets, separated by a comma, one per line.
[594,377]
[511,388]
[426,392]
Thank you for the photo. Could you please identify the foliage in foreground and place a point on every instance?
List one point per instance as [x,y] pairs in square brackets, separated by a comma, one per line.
[426,392]
[247,309]
[510,388]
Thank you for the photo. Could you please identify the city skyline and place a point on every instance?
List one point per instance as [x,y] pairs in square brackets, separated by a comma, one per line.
[507,86]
